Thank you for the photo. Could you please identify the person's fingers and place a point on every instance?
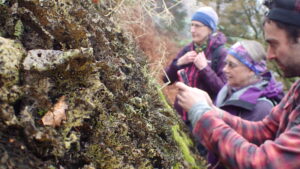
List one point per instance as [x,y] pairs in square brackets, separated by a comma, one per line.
[196,56]
[193,52]
[179,98]
[181,86]
[192,60]
[201,54]
[193,55]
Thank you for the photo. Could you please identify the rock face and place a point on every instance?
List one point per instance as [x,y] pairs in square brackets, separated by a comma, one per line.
[66,60]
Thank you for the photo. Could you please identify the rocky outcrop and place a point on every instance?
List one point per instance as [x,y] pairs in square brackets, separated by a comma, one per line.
[75,93]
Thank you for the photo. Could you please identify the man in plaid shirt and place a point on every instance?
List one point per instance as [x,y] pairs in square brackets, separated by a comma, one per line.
[274,142]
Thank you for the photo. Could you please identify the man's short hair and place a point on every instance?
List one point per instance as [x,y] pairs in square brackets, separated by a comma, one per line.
[293,32]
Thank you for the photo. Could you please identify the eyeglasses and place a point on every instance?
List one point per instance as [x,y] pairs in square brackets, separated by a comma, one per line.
[231,65]
[196,25]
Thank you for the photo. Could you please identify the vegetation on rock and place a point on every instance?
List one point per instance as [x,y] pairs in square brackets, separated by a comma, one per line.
[115,114]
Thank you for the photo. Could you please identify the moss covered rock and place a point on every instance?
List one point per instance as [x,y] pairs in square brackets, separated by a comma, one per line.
[11,55]
[115,115]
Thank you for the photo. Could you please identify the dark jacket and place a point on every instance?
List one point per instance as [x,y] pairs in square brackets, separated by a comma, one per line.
[206,79]
[252,103]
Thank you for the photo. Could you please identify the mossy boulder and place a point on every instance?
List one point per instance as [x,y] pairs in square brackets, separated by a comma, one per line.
[116,117]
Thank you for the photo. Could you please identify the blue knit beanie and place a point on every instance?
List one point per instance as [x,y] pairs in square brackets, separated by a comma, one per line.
[207,16]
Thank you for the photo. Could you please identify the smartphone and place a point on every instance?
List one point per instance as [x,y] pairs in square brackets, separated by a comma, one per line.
[183,77]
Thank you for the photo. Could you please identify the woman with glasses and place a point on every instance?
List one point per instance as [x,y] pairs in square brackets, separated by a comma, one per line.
[203,59]
[250,92]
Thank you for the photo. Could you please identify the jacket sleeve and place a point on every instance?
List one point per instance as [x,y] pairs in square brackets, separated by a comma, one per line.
[214,80]
[243,144]
[172,69]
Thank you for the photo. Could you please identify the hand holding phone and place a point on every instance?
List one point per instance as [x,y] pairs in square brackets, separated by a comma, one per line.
[183,76]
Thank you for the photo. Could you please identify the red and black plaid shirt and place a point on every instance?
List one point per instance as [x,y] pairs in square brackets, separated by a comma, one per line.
[273,143]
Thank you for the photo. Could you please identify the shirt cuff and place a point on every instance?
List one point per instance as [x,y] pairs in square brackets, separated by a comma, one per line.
[197,111]
[176,66]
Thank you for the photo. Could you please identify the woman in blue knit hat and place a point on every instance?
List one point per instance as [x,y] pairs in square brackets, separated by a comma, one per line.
[202,59]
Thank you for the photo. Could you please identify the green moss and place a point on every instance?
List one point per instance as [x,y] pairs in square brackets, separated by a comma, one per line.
[160,95]
[2,2]
[51,167]
[117,117]
[177,166]
[163,99]
[42,112]
[102,156]
[11,54]
[19,29]
[184,144]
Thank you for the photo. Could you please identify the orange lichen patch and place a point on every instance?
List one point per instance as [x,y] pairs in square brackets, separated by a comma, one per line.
[55,116]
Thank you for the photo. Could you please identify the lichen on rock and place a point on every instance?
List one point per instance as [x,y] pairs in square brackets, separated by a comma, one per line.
[11,55]
[115,114]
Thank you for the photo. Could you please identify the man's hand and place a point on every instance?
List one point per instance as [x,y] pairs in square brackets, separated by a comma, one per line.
[188,96]
[200,61]
[189,57]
